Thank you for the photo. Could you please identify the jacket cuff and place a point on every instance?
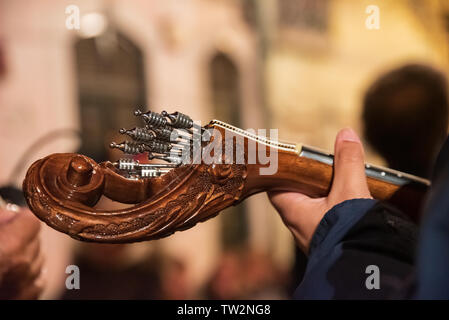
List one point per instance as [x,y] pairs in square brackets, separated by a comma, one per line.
[337,222]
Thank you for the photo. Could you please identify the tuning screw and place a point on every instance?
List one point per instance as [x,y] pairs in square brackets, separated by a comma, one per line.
[127,164]
[157,146]
[171,159]
[152,119]
[163,134]
[139,134]
[128,147]
[179,120]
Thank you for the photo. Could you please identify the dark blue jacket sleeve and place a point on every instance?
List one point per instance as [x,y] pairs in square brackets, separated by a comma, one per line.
[353,237]
[432,278]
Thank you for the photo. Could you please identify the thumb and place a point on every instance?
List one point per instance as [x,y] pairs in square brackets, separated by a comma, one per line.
[349,168]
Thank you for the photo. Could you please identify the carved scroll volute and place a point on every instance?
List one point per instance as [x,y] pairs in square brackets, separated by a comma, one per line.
[68,177]
[62,189]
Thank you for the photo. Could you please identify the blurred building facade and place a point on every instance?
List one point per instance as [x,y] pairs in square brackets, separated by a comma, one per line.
[297,65]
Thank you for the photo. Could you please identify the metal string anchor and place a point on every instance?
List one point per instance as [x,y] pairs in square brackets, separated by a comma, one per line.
[134,169]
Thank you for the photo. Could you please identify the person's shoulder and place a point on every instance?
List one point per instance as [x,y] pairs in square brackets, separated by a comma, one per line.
[442,162]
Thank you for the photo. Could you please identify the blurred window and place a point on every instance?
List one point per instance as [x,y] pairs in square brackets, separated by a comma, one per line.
[111,85]
[226,99]
[303,14]
[249,11]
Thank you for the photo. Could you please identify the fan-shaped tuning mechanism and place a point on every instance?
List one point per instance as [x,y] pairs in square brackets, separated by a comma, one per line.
[165,136]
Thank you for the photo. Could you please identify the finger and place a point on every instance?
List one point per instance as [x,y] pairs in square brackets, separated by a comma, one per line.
[36,267]
[8,213]
[25,279]
[30,252]
[284,201]
[301,214]
[18,232]
[297,210]
[31,292]
[349,168]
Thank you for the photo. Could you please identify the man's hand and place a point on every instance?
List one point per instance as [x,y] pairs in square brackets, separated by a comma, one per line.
[302,214]
[20,256]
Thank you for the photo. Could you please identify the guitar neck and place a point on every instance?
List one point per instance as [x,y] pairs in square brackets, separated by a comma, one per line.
[309,170]
[387,175]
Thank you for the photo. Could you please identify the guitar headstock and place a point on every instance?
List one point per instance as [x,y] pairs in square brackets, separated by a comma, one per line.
[173,194]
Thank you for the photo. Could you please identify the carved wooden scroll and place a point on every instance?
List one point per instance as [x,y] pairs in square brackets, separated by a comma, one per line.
[62,189]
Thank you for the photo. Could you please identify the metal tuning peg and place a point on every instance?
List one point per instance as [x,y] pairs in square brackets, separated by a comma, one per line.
[157,146]
[165,122]
[166,136]
[166,157]
[178,120]
[129,147]
[139,134]
[152,119]
[133,169]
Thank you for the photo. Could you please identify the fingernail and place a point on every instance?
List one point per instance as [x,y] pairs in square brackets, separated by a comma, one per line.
[347,134]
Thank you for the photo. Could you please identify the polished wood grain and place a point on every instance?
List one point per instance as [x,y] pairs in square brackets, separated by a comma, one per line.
[62,190]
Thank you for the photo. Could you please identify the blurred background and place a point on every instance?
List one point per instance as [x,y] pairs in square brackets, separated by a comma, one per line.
[301,66]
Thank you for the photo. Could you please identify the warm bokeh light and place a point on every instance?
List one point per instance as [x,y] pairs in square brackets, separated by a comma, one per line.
[92,25]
